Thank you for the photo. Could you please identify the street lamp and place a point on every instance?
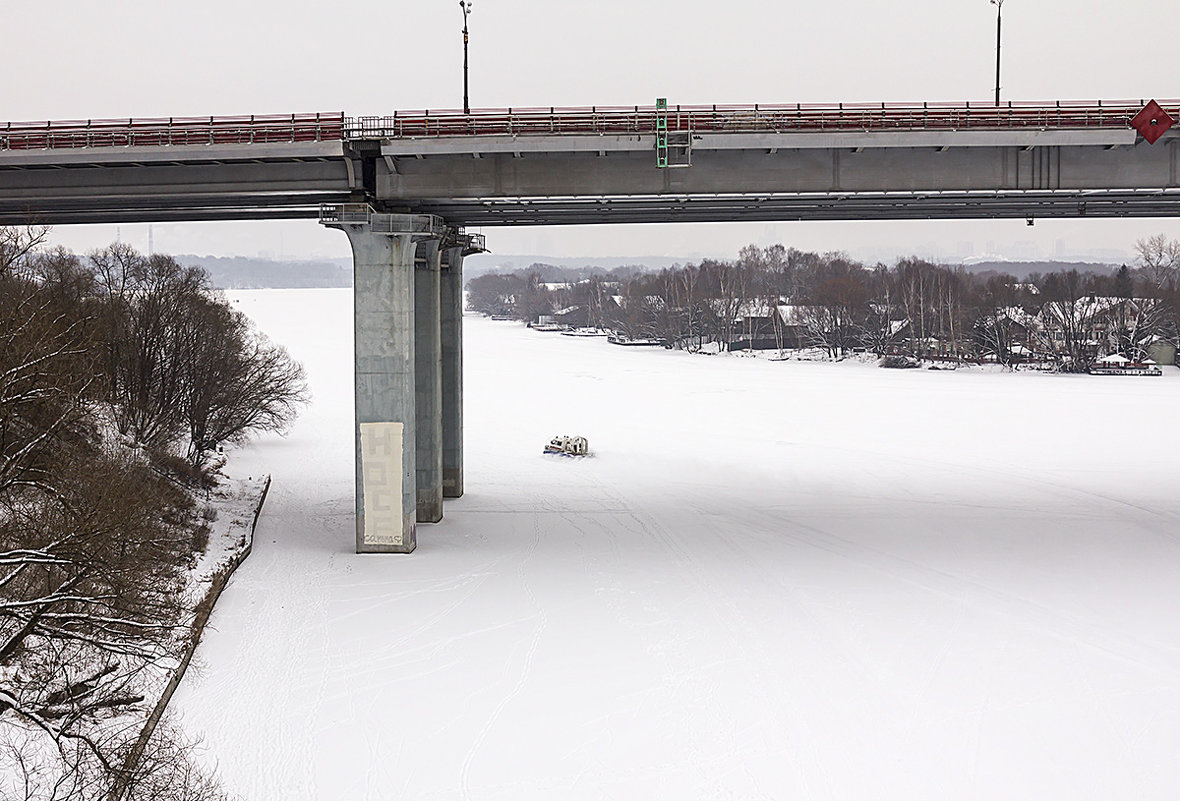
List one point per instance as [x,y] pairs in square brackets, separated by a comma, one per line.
[465,5]
[999,4]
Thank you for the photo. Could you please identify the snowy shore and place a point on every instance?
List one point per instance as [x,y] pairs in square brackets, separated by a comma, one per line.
[772,580]
[30,763]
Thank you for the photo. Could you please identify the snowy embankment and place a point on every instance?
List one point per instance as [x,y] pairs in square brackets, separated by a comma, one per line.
[232,508]
[30,763]
[772,580]
[231,512]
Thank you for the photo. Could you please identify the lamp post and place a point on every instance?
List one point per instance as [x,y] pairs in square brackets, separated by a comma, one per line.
[465,5]
[999,4]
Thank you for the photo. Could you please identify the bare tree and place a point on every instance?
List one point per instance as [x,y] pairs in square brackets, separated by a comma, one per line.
[91,579]
[17,245]
[1068,315]
[493,293]
[728,287]
[836,306]
[881,328]
[144,329]
[166,769]
[1159,257]
[1002,326]
[685,288]
[532,299]
[948,293]
[233,381]
[1136,323]
[94,542]
[46,380]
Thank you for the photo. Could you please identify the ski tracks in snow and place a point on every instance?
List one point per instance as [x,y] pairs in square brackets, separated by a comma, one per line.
[283,720]
[712,759]
[542,621]
[1057,623]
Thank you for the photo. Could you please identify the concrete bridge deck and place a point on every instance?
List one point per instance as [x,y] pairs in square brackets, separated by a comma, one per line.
[599,165]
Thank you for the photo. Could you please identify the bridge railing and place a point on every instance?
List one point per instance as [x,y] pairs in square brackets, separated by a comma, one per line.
[563,120]
[757,118]
[423,225]
[172,131]
[475,243]
[345,213]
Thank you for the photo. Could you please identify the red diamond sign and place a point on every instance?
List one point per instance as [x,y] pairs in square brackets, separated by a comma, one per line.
[1152,121]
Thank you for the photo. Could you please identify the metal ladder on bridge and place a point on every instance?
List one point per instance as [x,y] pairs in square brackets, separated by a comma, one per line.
[673,148]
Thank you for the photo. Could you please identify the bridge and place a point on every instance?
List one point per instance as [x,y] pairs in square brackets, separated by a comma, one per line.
[404,187]
[601,165]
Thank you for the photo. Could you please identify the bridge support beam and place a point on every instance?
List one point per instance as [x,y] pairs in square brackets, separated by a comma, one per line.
[451,301]
[428,389]
[383,248]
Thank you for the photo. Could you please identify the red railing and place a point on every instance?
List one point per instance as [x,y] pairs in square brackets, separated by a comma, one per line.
[554,120]
[172,131]
[757,118]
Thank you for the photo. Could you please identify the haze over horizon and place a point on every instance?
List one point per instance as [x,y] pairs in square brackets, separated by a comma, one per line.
[999,240]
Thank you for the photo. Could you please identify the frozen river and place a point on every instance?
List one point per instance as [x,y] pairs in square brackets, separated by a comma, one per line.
[772,581]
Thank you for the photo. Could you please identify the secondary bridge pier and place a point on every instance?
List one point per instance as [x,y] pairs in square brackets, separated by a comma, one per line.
[451,325]
[428,382]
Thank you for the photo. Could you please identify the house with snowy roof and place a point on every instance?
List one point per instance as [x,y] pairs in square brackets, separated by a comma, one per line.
[1101,324]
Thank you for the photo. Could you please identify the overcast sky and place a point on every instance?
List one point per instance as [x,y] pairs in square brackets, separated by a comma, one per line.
[137,58]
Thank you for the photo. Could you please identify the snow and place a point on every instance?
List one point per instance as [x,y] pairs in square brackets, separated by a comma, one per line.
[228,513]
[772,580]
[792,314]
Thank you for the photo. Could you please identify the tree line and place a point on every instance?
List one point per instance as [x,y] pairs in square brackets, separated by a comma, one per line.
[786,298]
[121,375]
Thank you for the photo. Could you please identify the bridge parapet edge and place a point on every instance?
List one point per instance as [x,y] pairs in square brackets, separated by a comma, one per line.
[799,117]
[173,131]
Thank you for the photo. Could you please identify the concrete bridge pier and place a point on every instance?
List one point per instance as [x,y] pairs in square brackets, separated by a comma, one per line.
[451,302]
[428,387]
[383,248]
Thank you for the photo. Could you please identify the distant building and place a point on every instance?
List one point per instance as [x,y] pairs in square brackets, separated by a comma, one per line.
[1162,352]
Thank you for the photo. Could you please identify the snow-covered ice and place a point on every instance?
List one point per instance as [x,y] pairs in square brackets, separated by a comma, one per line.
[772,580]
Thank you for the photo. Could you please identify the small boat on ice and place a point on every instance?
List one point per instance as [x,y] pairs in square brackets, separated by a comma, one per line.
[568,446]
[619,339]
[1117,364]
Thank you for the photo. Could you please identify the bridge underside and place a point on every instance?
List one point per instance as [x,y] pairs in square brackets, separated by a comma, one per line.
[785,177]
[643,209]
[586,180]
[802,207]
